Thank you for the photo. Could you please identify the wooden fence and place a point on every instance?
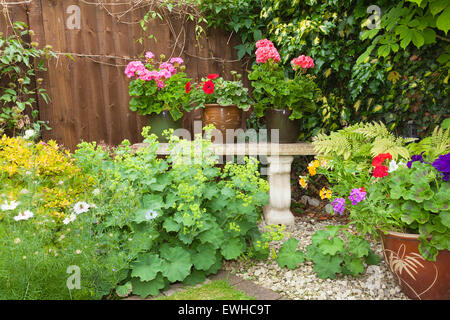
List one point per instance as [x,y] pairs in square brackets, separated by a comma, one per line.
[89,96]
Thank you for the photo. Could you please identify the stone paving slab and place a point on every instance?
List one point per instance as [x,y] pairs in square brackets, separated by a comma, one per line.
[238,283]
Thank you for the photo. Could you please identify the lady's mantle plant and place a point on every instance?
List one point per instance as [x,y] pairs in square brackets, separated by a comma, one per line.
[272,89]
[215,90]
[158,86]
[176,219]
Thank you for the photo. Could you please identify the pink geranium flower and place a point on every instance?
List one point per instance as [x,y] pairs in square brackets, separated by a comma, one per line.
[169,67]
[264,54]
[133,67]
[165,73]
[149,55]
[177,60]
[264,43]
[302,61]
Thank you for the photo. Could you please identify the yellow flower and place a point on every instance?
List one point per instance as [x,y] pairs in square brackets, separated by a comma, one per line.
[303,182]
[324,193]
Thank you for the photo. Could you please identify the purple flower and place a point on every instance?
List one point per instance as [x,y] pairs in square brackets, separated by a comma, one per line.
[442,164]
[356,196]
[417,157]
[339,205]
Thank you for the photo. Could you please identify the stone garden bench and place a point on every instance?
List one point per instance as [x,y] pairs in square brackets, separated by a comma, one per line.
[279,160]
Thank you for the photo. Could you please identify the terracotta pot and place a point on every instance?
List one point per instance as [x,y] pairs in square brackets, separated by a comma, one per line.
[278,119]
[161,122]
[419,279]
[223,118]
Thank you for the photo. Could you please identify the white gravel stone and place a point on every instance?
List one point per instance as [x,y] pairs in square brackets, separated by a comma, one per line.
[377,283]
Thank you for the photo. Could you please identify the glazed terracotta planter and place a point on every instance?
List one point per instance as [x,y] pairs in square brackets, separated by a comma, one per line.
[278,119]
[223,118]
[419,279]
[161,122]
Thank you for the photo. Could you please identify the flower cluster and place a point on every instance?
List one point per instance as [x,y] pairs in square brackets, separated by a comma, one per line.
[165,71]
[312,167]
[442,164]
[325,193]
[378,162]
[303,62]
[356,196]
[266,51]
[78,208]
[339,205]
[414,158]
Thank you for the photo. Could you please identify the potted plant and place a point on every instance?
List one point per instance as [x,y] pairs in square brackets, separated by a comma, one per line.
[222,100]
[408,205]
[401,199]
[159,90]
[281,99]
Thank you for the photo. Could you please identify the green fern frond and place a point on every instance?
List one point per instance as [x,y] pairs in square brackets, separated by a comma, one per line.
[374,130]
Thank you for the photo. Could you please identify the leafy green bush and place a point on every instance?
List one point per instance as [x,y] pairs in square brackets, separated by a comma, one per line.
[176,218]
[334,250]
[409,84]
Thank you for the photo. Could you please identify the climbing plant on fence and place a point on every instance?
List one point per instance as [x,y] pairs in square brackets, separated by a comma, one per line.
[408,82]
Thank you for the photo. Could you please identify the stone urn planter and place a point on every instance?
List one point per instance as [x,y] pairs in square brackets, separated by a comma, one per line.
[223,118]
[161,122]
[419,279]
[278,119]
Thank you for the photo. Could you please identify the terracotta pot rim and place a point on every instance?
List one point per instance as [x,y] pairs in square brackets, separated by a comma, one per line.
[219,105]
[413,236]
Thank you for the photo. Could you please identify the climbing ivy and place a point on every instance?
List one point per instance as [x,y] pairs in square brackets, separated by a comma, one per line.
[359,81]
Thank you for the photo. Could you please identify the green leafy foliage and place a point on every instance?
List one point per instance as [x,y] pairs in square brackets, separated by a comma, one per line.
[335,250]
[432,146]
[272,89]
[176,218]
[360,143]
[418,203]
[19,62]
[152,96]
[225,92]
[289,256]
[363,73]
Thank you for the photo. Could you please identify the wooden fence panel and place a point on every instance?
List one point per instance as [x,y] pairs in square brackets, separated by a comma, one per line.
[89,96]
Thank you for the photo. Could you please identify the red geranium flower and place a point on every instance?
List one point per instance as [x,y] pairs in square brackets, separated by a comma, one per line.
[188,87]
[213,76]
[379,159]
[208,87]
[380,172]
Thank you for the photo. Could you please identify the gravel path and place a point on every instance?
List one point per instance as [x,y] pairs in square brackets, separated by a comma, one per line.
[377,283]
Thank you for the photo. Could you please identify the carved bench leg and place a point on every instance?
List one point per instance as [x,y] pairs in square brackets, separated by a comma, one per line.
[279,176]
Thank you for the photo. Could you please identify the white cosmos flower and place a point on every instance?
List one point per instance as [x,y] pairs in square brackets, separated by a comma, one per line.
[81,207]
[25,215]
[69,219]
[9,206]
